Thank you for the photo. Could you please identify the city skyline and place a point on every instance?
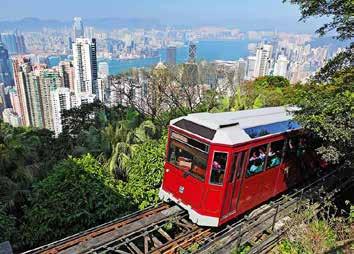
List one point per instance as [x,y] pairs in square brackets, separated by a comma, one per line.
[244,15]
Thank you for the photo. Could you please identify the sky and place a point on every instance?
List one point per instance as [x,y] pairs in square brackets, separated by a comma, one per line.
[169,12]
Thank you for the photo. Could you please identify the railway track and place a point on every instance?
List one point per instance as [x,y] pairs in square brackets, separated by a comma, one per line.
[166,228]
[263,227]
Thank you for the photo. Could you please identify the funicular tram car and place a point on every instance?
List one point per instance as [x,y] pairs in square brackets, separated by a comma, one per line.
[220,165]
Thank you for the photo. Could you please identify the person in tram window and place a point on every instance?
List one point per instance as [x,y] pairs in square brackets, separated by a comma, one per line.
[254,156]
[255,167]
[273,157]
[216,165]
[261,154]
[218,169]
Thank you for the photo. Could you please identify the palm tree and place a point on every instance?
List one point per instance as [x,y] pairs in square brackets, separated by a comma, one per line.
[123,139]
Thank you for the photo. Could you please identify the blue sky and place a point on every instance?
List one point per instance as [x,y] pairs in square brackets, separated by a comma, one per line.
[181,12]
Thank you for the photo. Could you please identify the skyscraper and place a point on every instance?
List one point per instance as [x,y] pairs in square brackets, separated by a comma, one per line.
[85,65]
[34,100]
[15,43]
[66,72]
[3,103]
[49,80]
[263,58]
[171,56]
[281,66]
[21,69]
[251,64]
[78,28]
[5,74]
[192,53]
[60,100]
[15,101]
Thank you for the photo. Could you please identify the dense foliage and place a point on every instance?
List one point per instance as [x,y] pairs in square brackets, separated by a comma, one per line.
[78,194]
[145,170]
[328,113]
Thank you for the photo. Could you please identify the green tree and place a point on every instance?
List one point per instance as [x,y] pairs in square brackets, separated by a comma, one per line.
[271,81]
[145,169]
[328,113]
[78,194]
[26,154]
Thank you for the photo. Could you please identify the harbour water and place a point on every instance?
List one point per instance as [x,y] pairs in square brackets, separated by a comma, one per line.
[209,50]
[206,50]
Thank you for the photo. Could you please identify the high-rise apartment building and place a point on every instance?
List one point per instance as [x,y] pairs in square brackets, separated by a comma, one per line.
[15,101]
[78,28]
[263,58]
[34,99]
[3,103]
[49,80]
[281,66]
[251,64]
[33,89]
[85,65]
[67,74]
[21,69]
[60,100]
[171,55]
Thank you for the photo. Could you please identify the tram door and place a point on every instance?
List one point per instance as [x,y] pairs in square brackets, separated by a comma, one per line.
[233,184]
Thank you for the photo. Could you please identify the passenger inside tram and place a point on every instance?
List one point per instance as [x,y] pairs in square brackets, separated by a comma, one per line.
[275,154]
[256,161]
[218,168]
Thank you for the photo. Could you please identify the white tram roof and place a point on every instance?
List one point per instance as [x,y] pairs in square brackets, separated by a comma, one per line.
[237,127]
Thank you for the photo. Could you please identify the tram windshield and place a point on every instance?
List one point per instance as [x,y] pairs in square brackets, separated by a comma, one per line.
[187,154]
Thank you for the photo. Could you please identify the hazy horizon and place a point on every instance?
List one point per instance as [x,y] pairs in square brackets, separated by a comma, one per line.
[253,14]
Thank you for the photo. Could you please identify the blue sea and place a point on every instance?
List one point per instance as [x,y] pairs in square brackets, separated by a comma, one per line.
[206,50]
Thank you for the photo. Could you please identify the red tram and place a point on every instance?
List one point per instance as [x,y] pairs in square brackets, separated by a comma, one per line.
[220,165]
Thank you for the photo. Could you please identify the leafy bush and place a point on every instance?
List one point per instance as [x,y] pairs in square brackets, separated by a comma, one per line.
[8,230]
[145,169]
[78,194]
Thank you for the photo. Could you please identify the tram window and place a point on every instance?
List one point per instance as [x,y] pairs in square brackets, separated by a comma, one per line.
[256,160]
[218,168]
[275,153]
[188,159]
